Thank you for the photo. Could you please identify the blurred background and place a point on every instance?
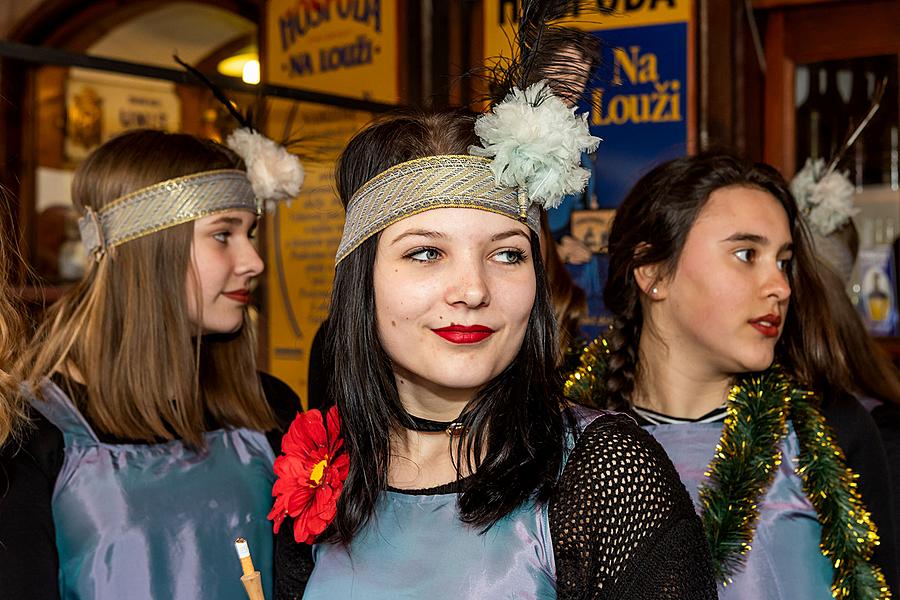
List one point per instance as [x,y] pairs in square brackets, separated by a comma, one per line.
[781,81]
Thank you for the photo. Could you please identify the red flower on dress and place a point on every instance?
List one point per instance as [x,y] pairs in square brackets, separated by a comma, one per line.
[311,474]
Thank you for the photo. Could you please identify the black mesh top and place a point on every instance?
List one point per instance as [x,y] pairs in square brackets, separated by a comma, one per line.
[622,523]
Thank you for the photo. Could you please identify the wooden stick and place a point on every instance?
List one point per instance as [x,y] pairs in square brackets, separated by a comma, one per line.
[253,585]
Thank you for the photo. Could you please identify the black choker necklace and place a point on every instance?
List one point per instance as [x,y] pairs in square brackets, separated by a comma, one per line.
[452,428]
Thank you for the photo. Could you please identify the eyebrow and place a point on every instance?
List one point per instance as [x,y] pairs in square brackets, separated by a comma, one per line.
[418,232]
[237,222]
[755,238]
[438,235]
[509,234]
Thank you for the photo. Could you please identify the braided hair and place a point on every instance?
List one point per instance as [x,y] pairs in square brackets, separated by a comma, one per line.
[651,227]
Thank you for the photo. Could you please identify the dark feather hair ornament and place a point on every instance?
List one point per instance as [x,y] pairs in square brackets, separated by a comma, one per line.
[532,132]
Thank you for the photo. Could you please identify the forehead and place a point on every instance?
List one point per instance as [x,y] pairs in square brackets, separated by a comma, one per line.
[457,223]
[745,209]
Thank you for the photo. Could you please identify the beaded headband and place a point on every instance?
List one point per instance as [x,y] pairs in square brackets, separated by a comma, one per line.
[165,205]
[415,186]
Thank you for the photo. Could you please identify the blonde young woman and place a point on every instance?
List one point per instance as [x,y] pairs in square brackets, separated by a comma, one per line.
[154,433]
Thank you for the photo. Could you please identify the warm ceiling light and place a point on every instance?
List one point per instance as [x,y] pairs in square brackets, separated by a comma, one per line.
[250,73]
[244,65]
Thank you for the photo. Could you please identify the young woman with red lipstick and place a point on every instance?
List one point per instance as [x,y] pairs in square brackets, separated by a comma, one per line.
[451,466]
[723,348]
[154,434]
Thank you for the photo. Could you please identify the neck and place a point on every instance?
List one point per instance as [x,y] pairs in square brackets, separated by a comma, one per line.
[429,401]
[420,459]
[676,384]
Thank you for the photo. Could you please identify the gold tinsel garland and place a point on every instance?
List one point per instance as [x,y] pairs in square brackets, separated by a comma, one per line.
[849,536]
[744,464]
[742,469]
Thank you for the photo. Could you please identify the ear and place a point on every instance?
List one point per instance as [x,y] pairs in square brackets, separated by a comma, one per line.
[648,279]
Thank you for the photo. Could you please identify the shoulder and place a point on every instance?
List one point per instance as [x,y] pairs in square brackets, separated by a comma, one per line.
[615,452]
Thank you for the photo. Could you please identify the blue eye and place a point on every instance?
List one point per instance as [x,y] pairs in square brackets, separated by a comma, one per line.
[424,254]
[511,256]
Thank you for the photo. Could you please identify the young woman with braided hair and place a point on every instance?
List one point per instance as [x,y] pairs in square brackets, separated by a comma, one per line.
[723,349]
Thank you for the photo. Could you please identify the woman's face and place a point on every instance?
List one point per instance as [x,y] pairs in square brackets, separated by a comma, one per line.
[454,289]
[225,262]
[725,305]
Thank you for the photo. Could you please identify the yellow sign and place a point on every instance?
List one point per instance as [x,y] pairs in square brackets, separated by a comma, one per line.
[344,47]
[500,20]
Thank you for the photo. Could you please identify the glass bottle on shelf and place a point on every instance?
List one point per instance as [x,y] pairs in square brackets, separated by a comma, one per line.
[857,107]
[835,119]
[878,300]
[809,119]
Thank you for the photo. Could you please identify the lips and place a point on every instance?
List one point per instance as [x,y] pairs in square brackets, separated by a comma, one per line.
[241,296]
[767,325]
[464,334]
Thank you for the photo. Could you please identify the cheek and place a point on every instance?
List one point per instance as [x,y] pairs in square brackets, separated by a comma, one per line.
[704,293]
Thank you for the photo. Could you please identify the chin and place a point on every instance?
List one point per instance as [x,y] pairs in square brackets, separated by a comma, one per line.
[223,328]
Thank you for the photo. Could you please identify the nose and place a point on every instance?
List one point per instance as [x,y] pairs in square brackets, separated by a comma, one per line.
[777,285]
[468,285]
[249,263]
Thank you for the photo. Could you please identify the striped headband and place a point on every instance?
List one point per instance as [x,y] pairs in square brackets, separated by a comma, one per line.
[415,186]
[165,205]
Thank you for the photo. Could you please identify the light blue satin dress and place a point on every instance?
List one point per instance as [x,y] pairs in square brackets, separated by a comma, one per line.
[157,521]
[785,562]
[416,546]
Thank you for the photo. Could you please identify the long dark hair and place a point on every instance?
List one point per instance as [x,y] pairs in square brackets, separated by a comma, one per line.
[651,227]
[514,445]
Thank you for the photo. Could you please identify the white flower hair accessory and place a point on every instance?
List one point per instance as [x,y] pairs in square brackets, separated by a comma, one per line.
[274,173]
[536,142]
[825,199]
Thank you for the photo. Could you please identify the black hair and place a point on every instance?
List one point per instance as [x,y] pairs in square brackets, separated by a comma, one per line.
[515,442]
[651,227]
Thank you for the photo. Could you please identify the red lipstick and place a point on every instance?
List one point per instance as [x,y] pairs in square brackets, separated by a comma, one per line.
[242,296]
[767,325]
[464,334]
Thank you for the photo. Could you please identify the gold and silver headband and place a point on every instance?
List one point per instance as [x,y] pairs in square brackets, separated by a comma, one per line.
[415,186]
[165,205]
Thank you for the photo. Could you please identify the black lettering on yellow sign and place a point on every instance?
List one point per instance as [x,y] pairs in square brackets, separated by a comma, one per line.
[508,9]
[296,22]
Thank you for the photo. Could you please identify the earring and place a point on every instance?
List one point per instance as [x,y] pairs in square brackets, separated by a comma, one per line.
[653,291]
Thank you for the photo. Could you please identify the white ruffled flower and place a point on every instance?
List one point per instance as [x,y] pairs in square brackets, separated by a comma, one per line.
[826,202]
[536,143]
[274,173]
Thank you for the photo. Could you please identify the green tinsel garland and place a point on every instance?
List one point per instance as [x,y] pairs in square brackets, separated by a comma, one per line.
[848,534]
[743,467]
